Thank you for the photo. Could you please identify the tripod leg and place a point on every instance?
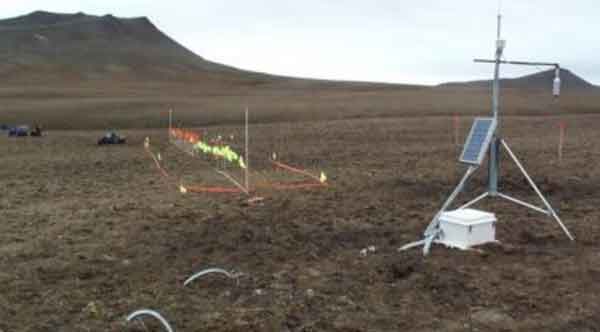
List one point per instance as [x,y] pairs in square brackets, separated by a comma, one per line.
[537,191]
[475,200]
[527,205]
[432,231]
[435,222]
[429,241]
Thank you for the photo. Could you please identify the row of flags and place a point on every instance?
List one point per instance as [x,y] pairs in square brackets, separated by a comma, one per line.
[215,148]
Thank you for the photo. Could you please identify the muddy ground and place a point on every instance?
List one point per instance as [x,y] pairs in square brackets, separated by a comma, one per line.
[89,234]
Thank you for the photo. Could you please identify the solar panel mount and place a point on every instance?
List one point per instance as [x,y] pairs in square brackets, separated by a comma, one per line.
[478,140]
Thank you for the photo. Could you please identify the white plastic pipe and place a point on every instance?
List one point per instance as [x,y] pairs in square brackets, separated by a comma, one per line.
[151,313]
[208,271]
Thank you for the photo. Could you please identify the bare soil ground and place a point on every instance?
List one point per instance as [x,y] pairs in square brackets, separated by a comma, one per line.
[89,234]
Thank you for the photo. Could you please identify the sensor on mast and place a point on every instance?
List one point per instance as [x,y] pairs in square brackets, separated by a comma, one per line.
[556,83]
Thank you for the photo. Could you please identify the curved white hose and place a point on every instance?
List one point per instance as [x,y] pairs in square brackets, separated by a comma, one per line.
[208,271]
[152,313]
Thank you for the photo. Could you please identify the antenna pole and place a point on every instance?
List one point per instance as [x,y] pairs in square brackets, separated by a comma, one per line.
[496,83]
[495,146]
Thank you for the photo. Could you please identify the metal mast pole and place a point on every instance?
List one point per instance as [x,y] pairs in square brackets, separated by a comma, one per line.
[247,174]
[495,146]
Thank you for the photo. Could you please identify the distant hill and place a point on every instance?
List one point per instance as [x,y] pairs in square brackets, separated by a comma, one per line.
[540,80]
[86,46]
[72,47]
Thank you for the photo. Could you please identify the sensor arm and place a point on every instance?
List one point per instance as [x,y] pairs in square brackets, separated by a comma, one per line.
[520,63]
[556,83]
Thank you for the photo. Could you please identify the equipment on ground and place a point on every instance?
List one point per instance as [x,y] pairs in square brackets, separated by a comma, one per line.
[19,131]
[466,228]
[111,137]
[37,131]
[484,136]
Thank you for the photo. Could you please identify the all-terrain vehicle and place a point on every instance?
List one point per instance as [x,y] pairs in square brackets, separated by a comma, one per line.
[19,131]
[111,137]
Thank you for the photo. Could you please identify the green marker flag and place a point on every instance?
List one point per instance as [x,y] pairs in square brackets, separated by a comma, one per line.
[224,152]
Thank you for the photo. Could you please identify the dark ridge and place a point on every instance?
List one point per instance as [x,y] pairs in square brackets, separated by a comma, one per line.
[42,18]
[539,80]
[44,46]
[87,46]
[46,20]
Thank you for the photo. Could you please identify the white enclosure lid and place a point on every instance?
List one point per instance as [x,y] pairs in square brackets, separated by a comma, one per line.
[468,217]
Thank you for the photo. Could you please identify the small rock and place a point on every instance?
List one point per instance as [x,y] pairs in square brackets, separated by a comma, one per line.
[108,258]
[345,300]
[310,293]
[241,322]
[92,309]
[492,316]
[313,272]
[258,292]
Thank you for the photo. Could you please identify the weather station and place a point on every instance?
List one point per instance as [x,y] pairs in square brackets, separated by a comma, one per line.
[465,227]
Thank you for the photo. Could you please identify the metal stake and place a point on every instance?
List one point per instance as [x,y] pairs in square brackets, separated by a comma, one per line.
[170,123]
[247,177]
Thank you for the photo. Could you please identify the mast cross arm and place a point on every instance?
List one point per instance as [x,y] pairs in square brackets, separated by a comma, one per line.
[521,63]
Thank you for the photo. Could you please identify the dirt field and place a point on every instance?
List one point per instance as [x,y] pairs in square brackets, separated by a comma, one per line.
[90,234]
[113,104]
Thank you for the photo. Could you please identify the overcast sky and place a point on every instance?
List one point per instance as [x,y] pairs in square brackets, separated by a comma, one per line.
[416,41]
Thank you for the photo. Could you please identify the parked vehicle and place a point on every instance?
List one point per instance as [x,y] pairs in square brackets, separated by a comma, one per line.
[111,137]
[19,131]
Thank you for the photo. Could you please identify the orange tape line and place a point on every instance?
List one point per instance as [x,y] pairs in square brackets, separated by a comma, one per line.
[218,190]
[295,170]
[291,185]
[297,186]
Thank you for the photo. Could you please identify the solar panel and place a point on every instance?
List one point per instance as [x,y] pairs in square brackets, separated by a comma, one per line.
[478,141]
